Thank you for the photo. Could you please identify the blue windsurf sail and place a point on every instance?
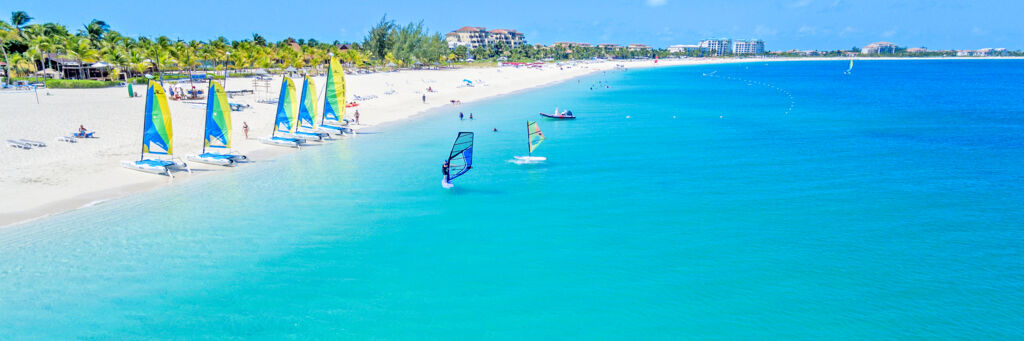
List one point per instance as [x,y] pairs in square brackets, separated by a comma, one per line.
[460,160]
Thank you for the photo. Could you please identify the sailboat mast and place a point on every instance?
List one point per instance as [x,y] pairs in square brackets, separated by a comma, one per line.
[142,150]
[529,149]
[206,119]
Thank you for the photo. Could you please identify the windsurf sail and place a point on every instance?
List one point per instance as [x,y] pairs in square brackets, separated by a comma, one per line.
[533,135]
[334,96]
[851,67]
[308,117]
[285,122]
[156,132]
[460,160]
[218,119]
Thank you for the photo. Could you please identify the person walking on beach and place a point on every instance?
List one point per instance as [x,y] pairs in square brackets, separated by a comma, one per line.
[245,129]
[424,98]
[357,117]
[460,116]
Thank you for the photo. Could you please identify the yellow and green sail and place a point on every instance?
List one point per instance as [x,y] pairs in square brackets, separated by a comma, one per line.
[157,134]
[218,118]
[287,106]
[308,117]
[534,136]
[334,96]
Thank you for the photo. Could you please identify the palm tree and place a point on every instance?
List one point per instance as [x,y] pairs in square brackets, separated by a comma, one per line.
[5,33]
[95,30]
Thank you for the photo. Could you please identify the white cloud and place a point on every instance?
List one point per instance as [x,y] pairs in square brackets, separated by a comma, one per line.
[807,30]
[847,30]
[656,3]
[762,31]
[801,3]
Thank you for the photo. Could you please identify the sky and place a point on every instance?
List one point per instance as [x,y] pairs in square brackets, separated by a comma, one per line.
[783,24]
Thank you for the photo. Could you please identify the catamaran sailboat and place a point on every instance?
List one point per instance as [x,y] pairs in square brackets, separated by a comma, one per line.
[460,159]
[308,120]
[285,122]
[333,118]
[533,139]
[850,70]
[157,136]
[217,131]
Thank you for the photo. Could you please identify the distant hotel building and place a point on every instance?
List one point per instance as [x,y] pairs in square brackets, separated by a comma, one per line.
[879,48]
[473,37]
[638,47]
[608,46]
[571,44]
[754,47]
[716,46]
[683,48]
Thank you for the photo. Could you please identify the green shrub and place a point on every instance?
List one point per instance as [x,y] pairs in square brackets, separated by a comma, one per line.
[78,84]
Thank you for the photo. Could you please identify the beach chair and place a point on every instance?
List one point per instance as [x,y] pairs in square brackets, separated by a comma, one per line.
[16,144]
[32,143]
[85,135]
[68,139]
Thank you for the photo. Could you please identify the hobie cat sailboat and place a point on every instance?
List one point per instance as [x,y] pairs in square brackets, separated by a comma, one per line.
[308,118]
[217,131]
[850,70]
[284,121]
[157,136]
[333,117]
[459,161]
[533,139]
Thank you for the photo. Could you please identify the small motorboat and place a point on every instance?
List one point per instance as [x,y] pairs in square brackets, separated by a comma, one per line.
[564,115]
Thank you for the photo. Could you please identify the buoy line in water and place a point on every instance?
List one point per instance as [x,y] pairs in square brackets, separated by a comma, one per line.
[792,100]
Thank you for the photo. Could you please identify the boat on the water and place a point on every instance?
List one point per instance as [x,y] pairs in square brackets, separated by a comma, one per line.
[563,115]
[157,136]
[533,139]
[285,119]
[217,131]
[460,159]
[850,70]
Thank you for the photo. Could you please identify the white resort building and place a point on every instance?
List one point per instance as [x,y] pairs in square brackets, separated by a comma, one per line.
[716,46]
[754,47]
[473,37]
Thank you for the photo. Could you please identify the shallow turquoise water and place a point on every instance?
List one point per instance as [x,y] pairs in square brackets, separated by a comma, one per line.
[886,204]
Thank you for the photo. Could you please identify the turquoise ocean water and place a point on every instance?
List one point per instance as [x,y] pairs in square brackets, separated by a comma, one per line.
[746,201]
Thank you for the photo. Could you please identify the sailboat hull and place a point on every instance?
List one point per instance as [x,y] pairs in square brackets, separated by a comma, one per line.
[156,166]
[282,141]
[214,159]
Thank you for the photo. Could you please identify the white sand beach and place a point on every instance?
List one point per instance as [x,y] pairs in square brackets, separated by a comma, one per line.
[64,176]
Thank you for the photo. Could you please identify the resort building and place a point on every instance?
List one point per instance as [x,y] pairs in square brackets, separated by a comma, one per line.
[638,47]
[915,50]
[571,44]
[683,48]
[716,46]
[608,46]
[879,48]
[474,37]
[754,47]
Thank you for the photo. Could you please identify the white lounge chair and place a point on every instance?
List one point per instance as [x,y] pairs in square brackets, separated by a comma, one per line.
[68,139]
[17,144]
[32,143]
